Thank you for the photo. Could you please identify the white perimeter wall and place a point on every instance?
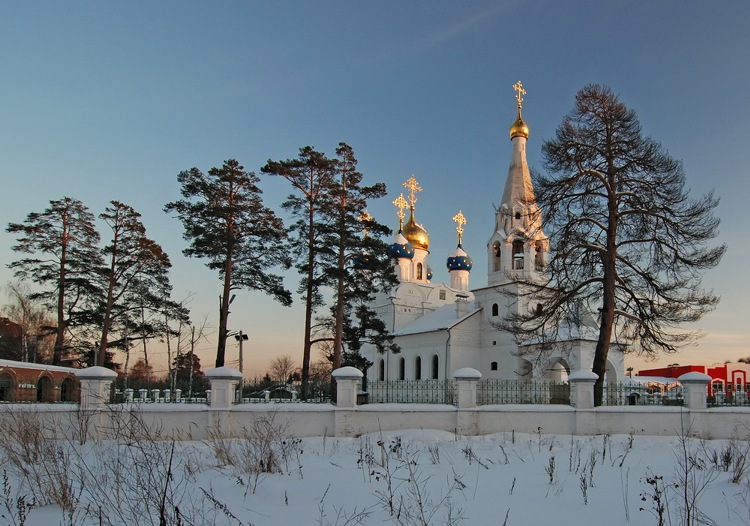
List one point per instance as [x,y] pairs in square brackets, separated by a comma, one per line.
[195,422]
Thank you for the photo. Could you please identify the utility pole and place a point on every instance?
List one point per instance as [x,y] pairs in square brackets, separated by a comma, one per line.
[241,337]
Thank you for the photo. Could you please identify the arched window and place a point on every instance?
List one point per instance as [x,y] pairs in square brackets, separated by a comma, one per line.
[67,390]
[435,366]
[6,388]
[518,254]
[518,214]
[539,257]
[381,372]
[44,390]
[402,369]
[497,263]
[493,366]
[418,368]
[494,309]
[419,271]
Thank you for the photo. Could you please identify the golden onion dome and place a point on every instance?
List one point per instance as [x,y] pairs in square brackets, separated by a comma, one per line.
[416,234]
[519,128]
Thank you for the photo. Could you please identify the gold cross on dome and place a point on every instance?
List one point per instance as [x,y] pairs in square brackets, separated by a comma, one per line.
[413,186]
[363,217]
[518,87]
[460,219]
[400,203]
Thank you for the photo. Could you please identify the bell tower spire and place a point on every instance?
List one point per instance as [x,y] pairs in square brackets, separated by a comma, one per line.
[517,249]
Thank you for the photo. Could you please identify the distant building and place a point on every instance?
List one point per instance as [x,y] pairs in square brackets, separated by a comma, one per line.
[726,377]
[35,382]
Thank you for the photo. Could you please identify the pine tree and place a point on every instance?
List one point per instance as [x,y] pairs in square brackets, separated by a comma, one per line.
[312,177]
[226,223]
[133,262]
[64,260]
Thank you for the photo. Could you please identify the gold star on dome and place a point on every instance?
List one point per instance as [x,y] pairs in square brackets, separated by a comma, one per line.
[460,220]
[400,203]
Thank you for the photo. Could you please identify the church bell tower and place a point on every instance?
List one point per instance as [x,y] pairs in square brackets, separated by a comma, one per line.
[517,250]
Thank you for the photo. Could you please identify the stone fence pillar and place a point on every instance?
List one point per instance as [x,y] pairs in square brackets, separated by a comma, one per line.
[224,382]
[582,389]
[466,387]
[695,389]
[96,383]
[348,380]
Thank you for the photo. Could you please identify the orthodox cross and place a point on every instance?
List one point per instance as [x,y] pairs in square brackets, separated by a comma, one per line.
[413,186]
[401,203]
[518,87]
[460,219]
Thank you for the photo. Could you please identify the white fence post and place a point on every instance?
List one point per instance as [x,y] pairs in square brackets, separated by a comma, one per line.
[694,389]
[224,382]
[348,380]
[582,389]
[466,387]
[96,383]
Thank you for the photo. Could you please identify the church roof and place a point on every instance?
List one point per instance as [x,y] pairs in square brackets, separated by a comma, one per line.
[440,319]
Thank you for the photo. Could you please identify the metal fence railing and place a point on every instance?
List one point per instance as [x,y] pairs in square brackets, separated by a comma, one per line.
[498,392]
[636,394]
[412,392]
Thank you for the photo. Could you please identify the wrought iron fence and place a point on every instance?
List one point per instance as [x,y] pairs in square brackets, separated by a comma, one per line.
[721,398]
[412,392]
[615,394]
[497,392]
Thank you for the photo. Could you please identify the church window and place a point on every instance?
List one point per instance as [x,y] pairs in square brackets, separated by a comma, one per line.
[539,309]
[441,294]
[518,215]
[419,271]
[494,342]
[381,372]
[493,366]
[418,368]
[402,369]
[518,254]
[497,262]
[539,258]
[494,309]
[435,367]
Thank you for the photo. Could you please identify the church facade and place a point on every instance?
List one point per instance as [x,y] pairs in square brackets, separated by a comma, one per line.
[442,328]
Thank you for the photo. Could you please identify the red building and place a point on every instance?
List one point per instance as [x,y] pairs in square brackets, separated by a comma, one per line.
[726,377]
[35,382]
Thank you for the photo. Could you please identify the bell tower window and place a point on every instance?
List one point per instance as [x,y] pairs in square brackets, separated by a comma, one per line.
[419,271]
[539,257]
[518,255]
[496,260]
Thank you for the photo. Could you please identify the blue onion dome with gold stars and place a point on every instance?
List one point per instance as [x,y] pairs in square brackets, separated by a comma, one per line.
[459,260]
[401,248]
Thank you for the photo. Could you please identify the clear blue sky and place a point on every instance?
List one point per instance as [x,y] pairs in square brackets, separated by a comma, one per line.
[111,100]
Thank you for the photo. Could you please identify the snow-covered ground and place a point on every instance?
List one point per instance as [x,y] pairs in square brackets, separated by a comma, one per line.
[407,477]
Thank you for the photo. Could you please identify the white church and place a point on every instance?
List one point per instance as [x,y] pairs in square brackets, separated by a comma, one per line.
[442,328]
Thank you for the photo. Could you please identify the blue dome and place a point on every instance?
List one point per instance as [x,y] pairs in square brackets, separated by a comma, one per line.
[402,248]
[429,273]
[459,260]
